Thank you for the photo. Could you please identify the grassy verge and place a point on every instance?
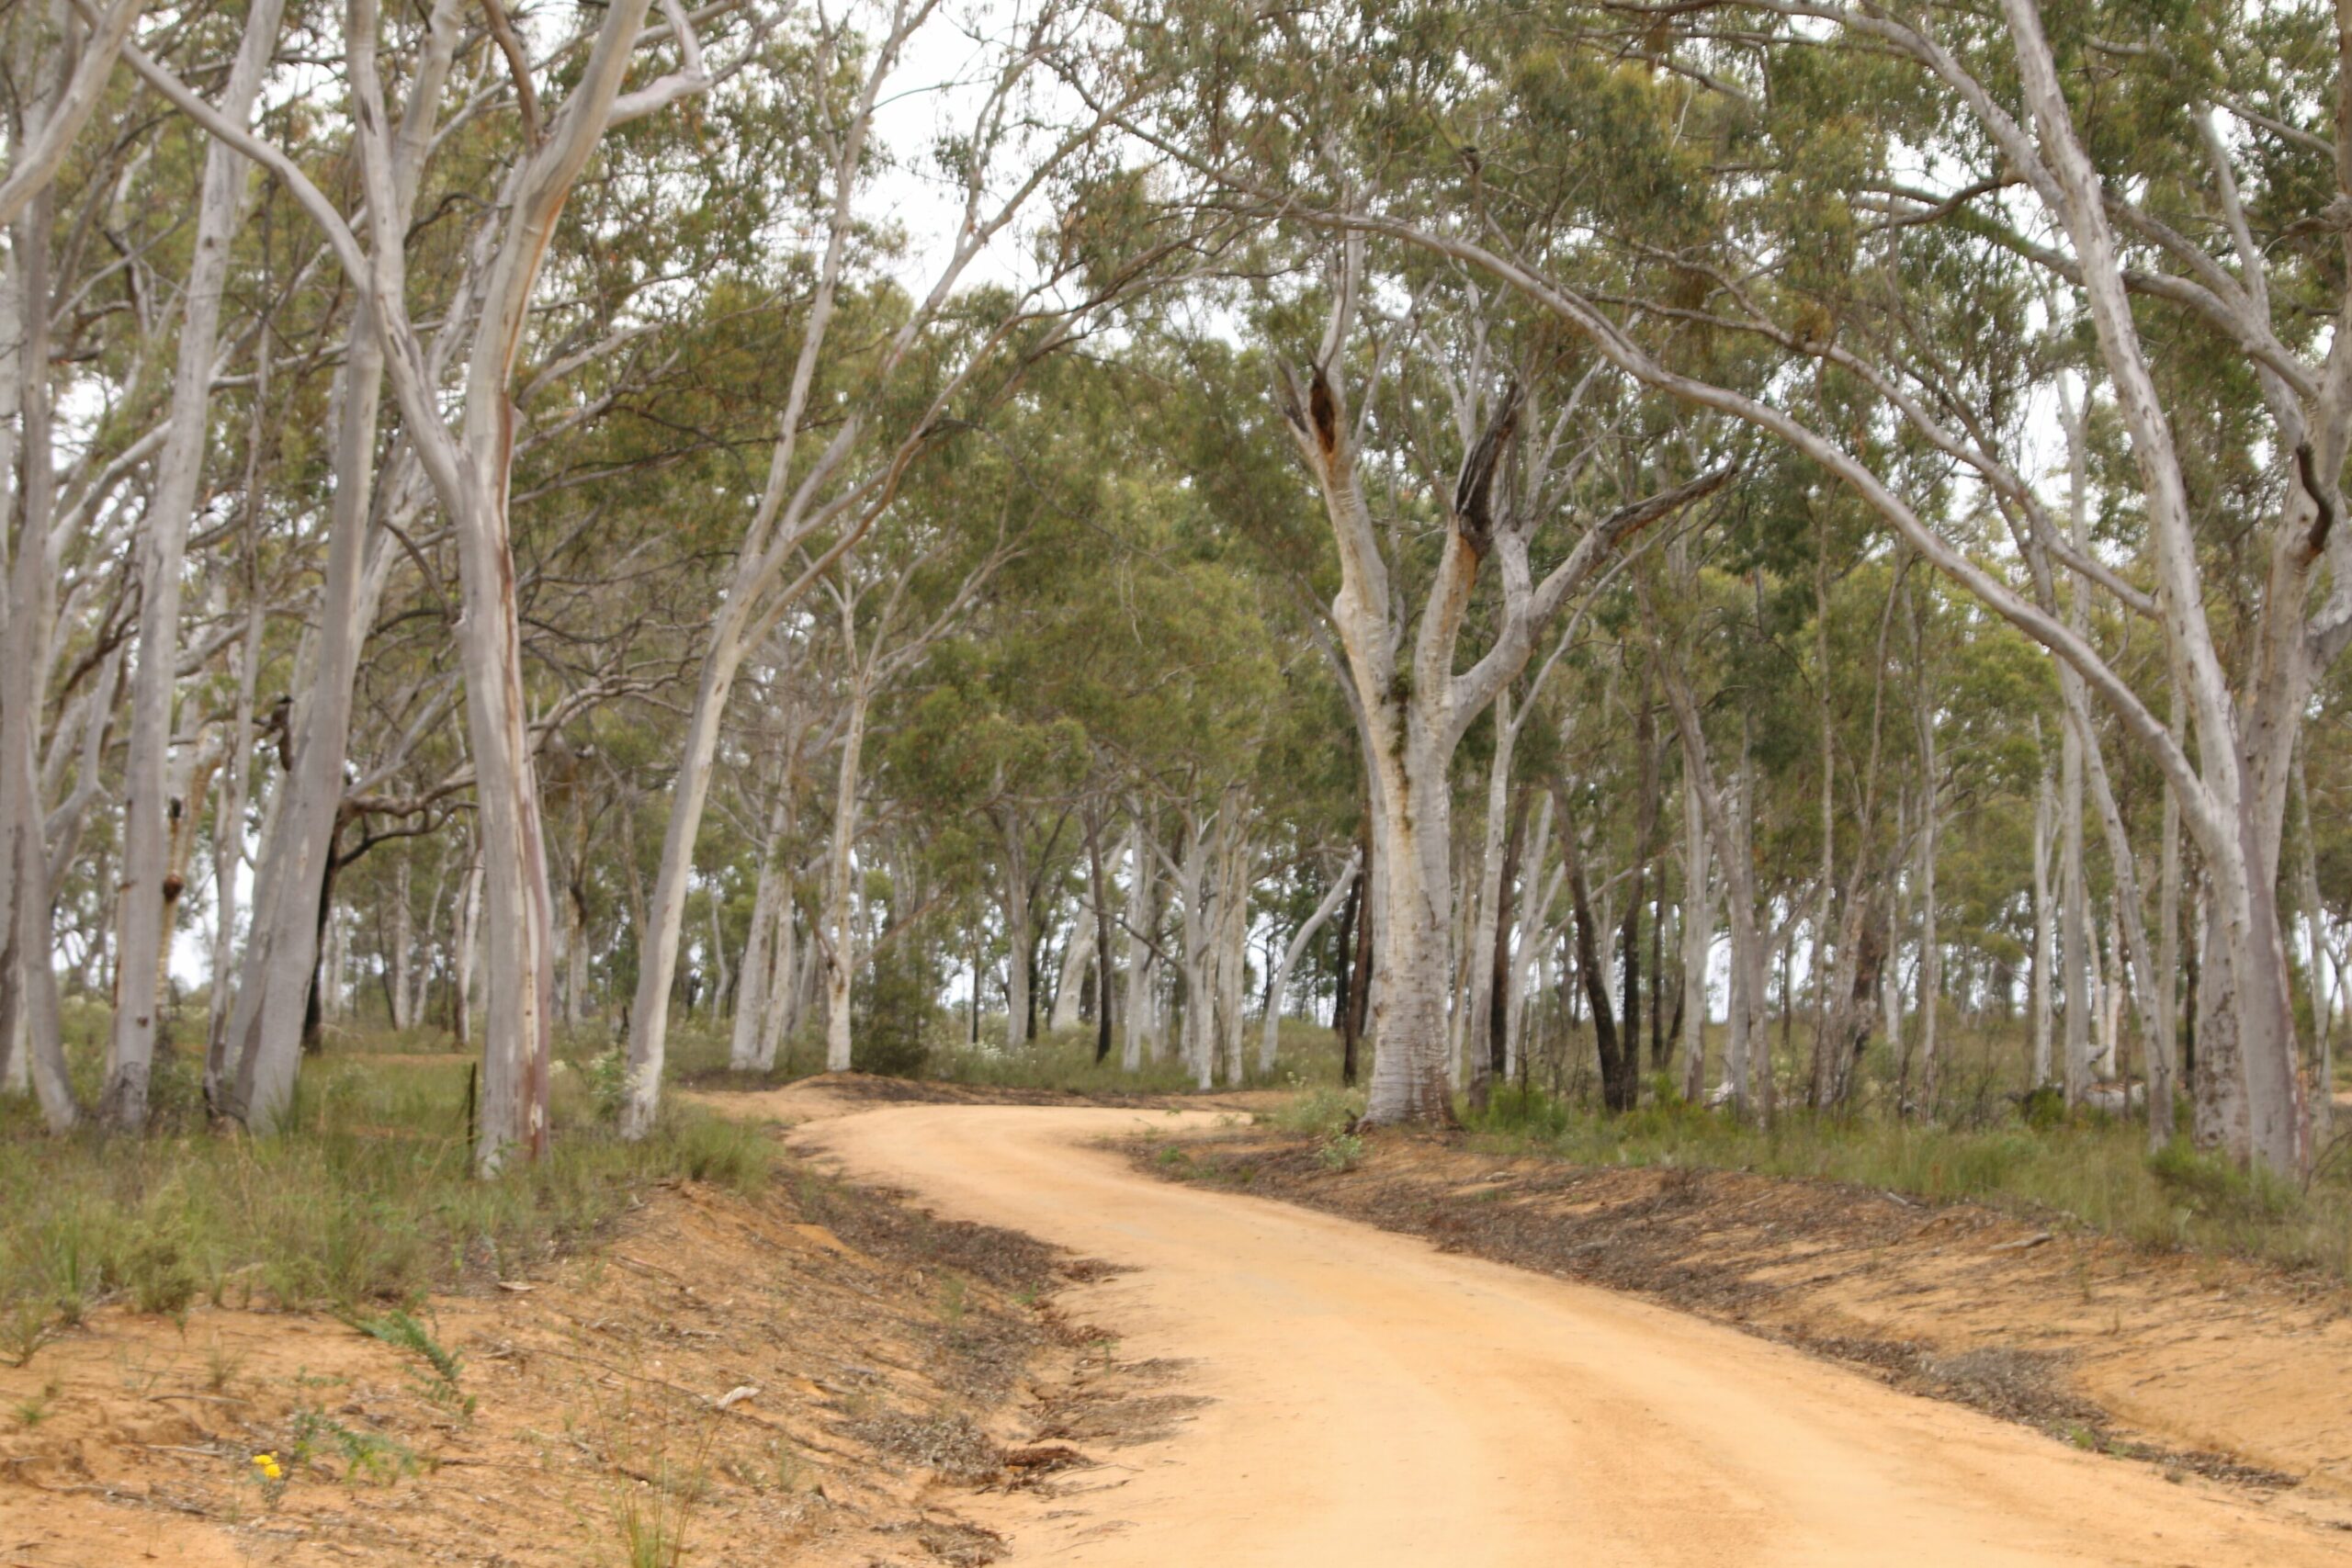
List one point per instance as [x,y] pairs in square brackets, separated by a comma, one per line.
[366,1197]
[2092,1170]
[1060,1060]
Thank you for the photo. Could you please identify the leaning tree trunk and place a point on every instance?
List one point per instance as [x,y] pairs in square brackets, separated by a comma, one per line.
[252,1080]
[147,895]
[665,913]
[1105,978]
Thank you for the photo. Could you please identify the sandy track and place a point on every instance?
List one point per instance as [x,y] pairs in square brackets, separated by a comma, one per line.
[1378,1402]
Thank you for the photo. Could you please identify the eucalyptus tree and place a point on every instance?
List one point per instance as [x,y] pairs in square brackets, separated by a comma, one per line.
[1452,385]
[895,397]
[2104,195]
[151,811]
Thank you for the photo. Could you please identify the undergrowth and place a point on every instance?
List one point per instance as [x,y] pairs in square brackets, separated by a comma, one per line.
[366,1198]
[2089,1168]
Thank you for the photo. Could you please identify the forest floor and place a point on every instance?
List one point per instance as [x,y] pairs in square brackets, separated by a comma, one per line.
[813,1373]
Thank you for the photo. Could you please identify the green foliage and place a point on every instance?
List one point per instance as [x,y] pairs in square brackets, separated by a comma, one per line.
[1340,1151]
[369,1197]
[439,1380]
[1323,1112]
[895,1013]
[1527,1112]
[2094,1172]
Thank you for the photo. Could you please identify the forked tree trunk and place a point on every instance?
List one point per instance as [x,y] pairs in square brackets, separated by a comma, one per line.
[1746,1028]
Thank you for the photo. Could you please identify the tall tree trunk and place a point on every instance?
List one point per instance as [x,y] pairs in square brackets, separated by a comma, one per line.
[1535,921]
[1142,924]
[1931,958]
[759,965]
[229,828]
[1488,896]
[1344,947]
[1013,898]
[2045,935]
[1196,937]
[25,961]
[1104,977]
[1590,974]
[1490,1043]
[2323,1094]
[1697,937]
[144,899]
[253,1080]
[2164,1066]
[1725,820]
[466,947]
[1071,978]
[840,951]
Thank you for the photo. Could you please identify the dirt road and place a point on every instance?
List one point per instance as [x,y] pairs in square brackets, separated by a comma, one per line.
[1375,1402]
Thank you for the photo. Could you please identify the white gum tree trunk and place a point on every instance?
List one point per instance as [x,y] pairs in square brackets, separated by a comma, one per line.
[250,1078]
[1534,926]
[1020,925]
[1196,939]
[1746,1028]
[1483,935]
[403,942]
[144,897]
[840,950]
[25,892]
[1141,920]
[1232,959]
[1698,940]
[768,902]
[2045,933]
[465,952]
[1070,984]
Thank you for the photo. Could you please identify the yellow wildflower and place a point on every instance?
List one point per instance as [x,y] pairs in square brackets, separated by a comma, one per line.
[268,1465]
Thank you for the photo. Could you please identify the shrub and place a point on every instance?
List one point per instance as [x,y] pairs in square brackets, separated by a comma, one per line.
[894,1008]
